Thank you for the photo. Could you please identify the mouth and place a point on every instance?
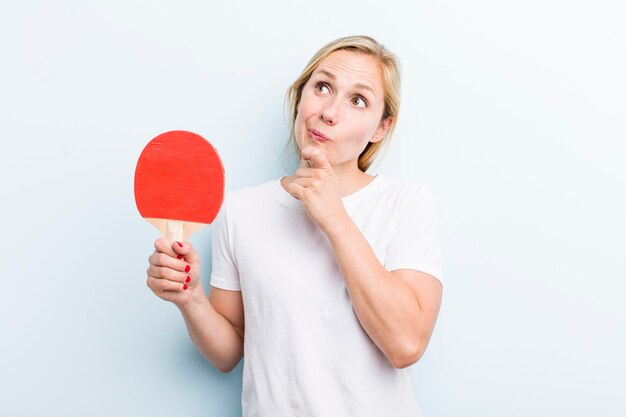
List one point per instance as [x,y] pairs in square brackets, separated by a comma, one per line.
[318,135]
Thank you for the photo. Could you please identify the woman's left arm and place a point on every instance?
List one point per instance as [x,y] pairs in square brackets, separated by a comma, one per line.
[398,309]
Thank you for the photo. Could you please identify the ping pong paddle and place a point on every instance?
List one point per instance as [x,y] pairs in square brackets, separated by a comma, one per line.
[179,183]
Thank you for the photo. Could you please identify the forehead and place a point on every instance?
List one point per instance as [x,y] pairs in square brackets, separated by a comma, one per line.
[357,67]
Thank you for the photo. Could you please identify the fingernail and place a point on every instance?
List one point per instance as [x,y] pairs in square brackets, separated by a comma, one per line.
[185,287]
[188,279]
[179,244]
[180,256]
[187,268]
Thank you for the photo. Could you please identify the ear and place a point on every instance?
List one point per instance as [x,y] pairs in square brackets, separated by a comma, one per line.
[382,129]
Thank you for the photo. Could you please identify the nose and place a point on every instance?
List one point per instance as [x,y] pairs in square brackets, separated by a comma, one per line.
[326,119]
[330,113]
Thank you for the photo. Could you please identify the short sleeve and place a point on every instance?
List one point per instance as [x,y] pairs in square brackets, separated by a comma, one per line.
[224,273]
[415,243]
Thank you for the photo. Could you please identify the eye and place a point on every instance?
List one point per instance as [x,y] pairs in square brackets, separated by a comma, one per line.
[356,99]
[321,85]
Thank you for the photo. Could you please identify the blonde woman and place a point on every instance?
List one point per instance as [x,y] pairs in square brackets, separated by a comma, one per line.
[328,281]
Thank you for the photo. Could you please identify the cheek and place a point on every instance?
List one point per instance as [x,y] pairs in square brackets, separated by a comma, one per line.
[299,126]
[300,118]
[304,113]
[305,104]
[363,131]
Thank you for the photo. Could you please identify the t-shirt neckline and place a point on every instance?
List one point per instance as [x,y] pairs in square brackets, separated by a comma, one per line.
[288,199]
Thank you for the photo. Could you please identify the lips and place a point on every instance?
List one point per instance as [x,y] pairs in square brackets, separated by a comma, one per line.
[318,135]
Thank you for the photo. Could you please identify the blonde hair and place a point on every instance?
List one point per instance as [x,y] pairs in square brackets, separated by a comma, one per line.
[390,66]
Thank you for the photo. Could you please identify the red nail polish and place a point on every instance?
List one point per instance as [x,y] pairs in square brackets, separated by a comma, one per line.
[188,279]
[179,244]
[185,287]
[180,256]
[187,268]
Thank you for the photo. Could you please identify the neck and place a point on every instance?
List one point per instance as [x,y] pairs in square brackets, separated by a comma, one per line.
[351,179]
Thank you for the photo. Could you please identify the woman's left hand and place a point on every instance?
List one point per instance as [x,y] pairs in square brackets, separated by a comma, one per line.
[317,188]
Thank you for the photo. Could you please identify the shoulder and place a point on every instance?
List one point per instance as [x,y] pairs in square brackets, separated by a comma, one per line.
[405,193]
[253,201]
[250,193]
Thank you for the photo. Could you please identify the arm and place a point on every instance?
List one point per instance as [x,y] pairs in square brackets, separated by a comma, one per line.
[215,325]
[397,309]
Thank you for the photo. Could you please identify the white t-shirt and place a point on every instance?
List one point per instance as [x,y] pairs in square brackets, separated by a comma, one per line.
[305,351]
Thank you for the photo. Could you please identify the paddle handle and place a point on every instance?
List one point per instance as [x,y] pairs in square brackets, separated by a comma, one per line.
[175,230]
[179,230]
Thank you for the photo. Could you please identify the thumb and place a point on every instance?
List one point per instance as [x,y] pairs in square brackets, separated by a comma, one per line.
[187,250]
[305,163]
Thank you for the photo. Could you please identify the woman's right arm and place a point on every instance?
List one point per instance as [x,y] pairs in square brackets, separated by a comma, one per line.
[173,275]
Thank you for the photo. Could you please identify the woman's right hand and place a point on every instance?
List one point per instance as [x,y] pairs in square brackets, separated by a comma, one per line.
[174,272]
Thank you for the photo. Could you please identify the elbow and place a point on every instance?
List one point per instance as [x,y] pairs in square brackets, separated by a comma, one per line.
[226,368]
[222,367]
[408,357]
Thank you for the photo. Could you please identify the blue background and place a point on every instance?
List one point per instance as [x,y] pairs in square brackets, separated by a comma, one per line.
[513,113]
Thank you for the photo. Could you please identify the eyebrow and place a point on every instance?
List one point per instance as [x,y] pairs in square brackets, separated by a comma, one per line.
[357,85]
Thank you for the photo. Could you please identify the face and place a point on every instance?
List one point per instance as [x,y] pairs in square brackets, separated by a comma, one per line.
[344,101]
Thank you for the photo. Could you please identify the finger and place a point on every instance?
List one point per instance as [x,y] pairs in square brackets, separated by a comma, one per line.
[165,245]
[296,190]
[306,172]
[165,273]
[159,286]
[316,157]
[308,182]
[188,252]
[160,259]
[305,163]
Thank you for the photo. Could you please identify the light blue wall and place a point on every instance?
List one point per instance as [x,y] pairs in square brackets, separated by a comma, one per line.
[512,113]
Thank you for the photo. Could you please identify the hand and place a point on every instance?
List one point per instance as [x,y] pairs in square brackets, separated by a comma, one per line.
[174,272]
[317,187]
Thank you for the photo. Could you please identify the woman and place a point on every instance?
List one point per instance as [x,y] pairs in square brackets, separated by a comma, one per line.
[329,280]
